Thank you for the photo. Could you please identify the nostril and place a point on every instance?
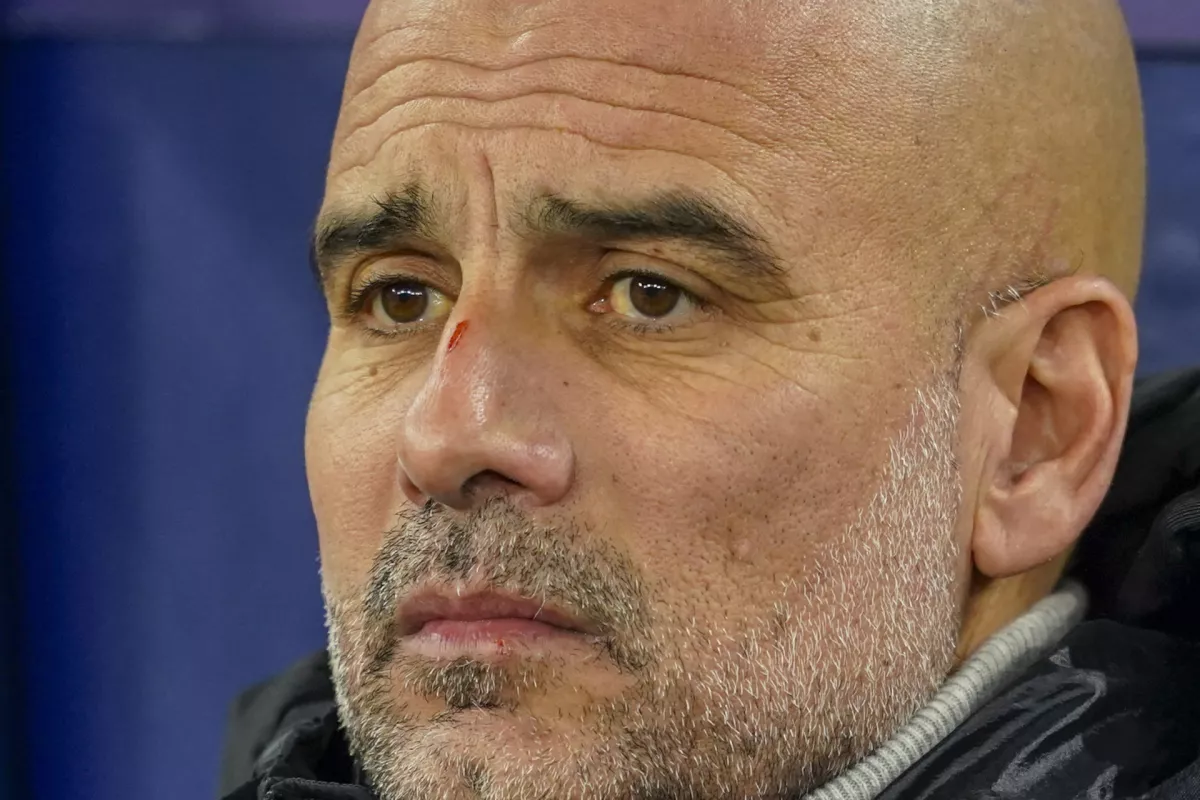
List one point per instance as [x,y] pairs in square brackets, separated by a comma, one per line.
[488,482]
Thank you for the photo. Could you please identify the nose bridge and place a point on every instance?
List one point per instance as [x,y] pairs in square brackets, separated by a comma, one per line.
[478,419]
[466,388]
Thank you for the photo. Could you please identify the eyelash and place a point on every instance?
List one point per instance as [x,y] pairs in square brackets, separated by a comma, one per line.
[356,303]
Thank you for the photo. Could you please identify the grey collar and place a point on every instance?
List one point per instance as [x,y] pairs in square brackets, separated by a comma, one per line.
[979,679]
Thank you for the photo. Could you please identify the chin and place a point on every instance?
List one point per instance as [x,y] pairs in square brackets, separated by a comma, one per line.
[457,752]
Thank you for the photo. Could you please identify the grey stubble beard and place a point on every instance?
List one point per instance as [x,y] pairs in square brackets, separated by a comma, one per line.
[847,652]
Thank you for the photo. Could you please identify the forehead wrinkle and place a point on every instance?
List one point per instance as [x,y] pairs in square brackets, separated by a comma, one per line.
[365,128]
[364,156]
[356,87]
[498,35]
[592,140]
[605,82]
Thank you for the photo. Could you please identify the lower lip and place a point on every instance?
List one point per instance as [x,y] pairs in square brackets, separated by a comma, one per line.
[447,638]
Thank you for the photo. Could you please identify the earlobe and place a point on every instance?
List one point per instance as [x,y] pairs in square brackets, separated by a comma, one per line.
[1060,374]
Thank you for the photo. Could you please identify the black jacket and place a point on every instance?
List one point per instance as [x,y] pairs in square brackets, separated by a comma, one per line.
[1113,713]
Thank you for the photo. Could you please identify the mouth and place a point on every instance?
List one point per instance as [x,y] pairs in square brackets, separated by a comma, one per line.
[449,622]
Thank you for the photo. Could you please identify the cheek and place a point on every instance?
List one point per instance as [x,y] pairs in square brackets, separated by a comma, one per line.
[350,452]
[724,501]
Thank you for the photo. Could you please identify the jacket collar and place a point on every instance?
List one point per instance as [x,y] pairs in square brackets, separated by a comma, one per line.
[306,760]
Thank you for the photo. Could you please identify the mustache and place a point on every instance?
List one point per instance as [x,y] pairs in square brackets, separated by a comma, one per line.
[499,545]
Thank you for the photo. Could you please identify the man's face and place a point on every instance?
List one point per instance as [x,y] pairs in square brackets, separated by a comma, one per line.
[632,452]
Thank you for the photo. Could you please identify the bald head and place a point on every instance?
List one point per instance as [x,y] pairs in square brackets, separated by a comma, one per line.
[1003,139]
[686,325]
[1044,136]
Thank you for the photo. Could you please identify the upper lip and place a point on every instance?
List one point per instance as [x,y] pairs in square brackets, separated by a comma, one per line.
[446,603]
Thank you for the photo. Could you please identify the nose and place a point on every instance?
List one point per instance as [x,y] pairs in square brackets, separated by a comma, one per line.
[483,425]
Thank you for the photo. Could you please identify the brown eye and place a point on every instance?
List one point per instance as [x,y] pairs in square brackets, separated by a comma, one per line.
[647,297]
[407,303]
[653,298]
[404,302]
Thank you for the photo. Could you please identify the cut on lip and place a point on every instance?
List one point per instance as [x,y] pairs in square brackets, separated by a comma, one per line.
[444,603]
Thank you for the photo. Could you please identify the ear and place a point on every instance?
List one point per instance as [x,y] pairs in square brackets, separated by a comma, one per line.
[1049,379]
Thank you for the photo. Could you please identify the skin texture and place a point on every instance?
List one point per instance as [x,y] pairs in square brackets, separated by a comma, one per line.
[786,510]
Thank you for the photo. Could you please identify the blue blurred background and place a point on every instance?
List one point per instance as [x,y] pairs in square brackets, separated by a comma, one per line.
[160,163]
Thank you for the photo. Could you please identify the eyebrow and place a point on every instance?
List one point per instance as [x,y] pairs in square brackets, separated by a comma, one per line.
[395,218]
[679,216]
[407,216]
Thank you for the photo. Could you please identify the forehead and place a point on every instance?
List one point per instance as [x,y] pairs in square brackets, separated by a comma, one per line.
[771,75]
[648,81]
[800,113]
[705,38]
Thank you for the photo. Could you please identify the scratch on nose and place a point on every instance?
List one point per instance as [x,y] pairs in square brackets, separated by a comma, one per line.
[456,337]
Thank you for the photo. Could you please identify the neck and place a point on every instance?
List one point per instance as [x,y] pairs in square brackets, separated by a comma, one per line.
[977,680]
[994,603]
